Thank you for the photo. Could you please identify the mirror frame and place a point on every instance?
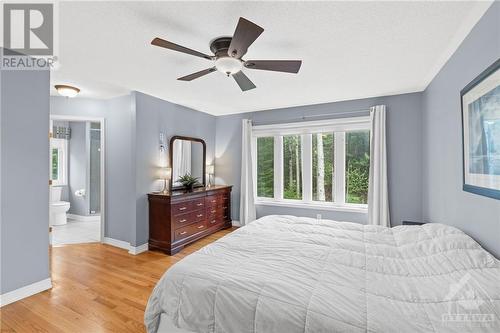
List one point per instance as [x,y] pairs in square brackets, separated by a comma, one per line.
[171,157]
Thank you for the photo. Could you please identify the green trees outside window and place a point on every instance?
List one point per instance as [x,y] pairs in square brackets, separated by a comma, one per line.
[292,167]
[55,164]
[357,166]
[323,166]
[265,167]
[317,152]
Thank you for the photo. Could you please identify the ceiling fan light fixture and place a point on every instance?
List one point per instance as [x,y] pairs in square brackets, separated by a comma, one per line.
[67,91]
[227,55]
[228,65]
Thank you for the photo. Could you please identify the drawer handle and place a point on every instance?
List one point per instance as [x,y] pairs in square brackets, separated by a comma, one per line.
[183,233]
[201,227]
[225,207]
[213,211]
[213,221]
[199,215]
[214,201]
[199,204]
[225,217]
[183,220]
[183,208]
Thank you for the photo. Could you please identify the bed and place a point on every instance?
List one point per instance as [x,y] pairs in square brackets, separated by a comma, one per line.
[294,274]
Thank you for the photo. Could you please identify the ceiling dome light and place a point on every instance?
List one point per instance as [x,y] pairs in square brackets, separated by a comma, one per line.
[228,65]
[66,91]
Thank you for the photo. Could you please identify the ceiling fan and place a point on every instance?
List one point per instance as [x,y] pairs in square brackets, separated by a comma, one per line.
[228,53]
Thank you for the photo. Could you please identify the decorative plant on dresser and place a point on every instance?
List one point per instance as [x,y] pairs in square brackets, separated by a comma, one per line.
[191,210]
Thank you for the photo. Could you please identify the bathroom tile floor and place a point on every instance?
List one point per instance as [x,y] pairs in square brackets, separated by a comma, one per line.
[76,232]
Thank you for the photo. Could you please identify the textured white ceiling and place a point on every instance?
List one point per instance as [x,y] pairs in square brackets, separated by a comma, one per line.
[349,49]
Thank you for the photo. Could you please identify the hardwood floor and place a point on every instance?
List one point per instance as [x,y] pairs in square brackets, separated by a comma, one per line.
[96,288]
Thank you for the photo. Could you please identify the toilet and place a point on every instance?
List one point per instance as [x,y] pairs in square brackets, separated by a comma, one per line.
[58,208]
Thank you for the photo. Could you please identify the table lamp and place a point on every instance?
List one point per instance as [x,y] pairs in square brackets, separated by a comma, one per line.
[165,173]
[210,171]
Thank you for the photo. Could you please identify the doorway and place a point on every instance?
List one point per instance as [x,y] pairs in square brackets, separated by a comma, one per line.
[77,181]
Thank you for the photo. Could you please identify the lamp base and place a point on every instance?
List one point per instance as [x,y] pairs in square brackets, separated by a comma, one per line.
[165,189]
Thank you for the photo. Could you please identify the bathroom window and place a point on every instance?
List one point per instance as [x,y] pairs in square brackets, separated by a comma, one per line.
[58,162]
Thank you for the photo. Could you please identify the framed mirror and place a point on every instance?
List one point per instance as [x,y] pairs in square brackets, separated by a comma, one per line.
[187,156]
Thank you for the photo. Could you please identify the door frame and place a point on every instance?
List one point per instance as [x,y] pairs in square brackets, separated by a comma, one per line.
[102,121]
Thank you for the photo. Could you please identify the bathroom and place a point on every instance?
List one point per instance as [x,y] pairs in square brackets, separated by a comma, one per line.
[76,181]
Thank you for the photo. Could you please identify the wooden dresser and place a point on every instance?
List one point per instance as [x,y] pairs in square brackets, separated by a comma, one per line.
[180,218]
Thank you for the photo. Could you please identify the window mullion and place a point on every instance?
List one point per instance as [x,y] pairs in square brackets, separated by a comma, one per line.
[307,167]
[278,167]
[339,173]
[253,149]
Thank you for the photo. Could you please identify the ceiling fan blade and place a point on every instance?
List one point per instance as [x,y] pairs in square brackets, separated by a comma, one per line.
[243,81]
[172,46]
[196,75]
[245,34]
[288,66]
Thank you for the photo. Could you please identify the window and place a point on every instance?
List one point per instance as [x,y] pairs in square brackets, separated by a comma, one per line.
[265,167]
[323,166]
[58,161]
[317,164]
[357,166]
[292,167]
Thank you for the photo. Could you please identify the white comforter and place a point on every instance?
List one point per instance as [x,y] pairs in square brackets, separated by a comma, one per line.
[293,274]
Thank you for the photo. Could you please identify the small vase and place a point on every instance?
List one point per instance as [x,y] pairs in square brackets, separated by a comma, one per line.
[189,188]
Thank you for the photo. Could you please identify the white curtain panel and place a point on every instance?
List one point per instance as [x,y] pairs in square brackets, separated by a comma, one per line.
[247,204]
[378,194]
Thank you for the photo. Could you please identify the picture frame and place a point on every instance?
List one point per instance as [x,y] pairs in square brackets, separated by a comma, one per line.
[480,109]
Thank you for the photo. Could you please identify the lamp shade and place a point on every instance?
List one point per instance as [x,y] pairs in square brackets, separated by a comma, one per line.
[210,169]
[164,173]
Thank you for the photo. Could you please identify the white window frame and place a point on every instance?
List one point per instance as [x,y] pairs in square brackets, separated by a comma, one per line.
[62,146]
[306,129]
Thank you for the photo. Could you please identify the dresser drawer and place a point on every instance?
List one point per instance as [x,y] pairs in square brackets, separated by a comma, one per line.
[182,207]
[182,220]
[189,230]
[213,220]
[226,196]
[225,213]
[213,210]
[198,204]
[212,201]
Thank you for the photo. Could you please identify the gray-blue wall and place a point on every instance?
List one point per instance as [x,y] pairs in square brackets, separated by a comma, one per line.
[133,125]
[120,168]
[404,137]
[153,116]
[77,171]
[24,175]
[444,201]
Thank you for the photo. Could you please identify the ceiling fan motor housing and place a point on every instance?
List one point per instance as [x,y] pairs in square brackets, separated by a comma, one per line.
[220,45]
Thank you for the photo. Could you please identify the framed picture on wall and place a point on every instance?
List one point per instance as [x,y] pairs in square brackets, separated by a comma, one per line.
[481,133]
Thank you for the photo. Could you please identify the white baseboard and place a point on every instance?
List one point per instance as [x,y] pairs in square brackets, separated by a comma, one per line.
[236,223]
[84,218]
[135,250]
[117,243]
[27,291]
